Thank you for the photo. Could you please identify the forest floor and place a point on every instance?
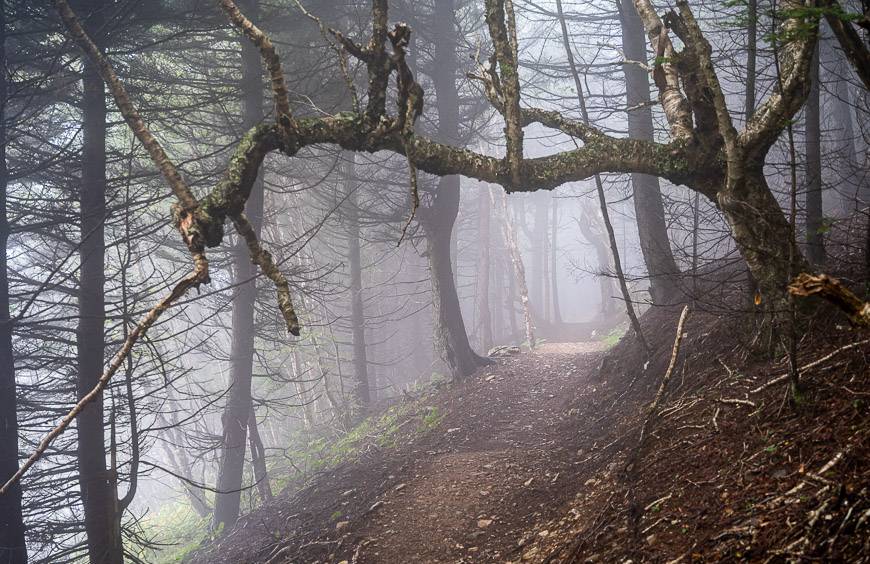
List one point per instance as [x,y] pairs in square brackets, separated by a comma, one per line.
[526,461]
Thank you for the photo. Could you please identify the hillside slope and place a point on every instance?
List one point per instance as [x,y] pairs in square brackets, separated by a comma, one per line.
[527,462]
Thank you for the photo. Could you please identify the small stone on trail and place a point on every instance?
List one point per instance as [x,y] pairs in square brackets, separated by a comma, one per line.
[400,487]
[529,482]
[341,525]
[490,378]
[453,430]
[375,505]
[484,523]
[544,534]
[590,482]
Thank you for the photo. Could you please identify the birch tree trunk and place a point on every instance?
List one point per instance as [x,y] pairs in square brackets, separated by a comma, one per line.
[519,277]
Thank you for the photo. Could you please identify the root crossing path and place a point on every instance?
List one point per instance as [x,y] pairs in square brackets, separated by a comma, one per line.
[502,457]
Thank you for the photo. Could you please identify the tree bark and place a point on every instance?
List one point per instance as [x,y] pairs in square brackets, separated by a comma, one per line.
[648,208]
[237,410]
[13,549]
[813,204]
[97,483]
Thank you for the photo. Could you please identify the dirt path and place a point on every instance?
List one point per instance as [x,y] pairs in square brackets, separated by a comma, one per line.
[493,472]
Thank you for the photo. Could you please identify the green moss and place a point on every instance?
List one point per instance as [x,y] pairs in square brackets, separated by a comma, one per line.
[612,338]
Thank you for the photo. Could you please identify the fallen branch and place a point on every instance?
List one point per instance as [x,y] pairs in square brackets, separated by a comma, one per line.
[650,415]
[810,366]
[735,401]
[832,290]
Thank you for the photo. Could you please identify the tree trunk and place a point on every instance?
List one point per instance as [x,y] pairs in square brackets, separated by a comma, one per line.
[97,483]
[483,268]
[850,195]
[538,257]
[648,208]
[813,203]
[238,407]
[759,228]
[592,229]
[519,273]
[258,459]
[557,312]
[12,546]
[362,392]
[439,219]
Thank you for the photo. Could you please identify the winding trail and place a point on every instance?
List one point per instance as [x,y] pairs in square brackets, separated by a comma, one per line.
[501,461]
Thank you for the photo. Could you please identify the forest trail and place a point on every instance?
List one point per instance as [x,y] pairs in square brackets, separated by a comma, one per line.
[494,471]
[525,463]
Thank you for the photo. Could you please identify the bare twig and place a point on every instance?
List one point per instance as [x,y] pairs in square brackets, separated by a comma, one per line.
[675,351]
[195,278]
[811,365]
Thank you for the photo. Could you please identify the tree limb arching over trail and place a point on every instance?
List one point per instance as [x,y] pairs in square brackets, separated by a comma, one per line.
[705,152]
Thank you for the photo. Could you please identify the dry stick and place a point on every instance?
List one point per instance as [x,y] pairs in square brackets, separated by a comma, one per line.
[644,430]
[599,186]
[267,51]
[199,274]
[811,365]
[325,32]
[634,456]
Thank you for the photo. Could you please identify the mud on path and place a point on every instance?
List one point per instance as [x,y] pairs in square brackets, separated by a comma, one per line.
[500,463]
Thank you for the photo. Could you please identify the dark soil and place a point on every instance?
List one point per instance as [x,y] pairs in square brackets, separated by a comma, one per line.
[529,463]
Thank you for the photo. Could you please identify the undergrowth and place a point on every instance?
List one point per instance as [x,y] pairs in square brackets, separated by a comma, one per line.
[179,530]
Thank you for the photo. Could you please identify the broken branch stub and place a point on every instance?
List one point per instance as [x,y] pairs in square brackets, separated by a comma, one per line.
[832,290]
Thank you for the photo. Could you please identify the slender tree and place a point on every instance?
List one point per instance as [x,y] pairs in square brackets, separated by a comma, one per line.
[13,549]
[98,485]
[813,194]
[239,409]
[646,189]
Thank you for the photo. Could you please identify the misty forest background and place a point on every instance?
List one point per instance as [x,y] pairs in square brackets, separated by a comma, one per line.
[217,410]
